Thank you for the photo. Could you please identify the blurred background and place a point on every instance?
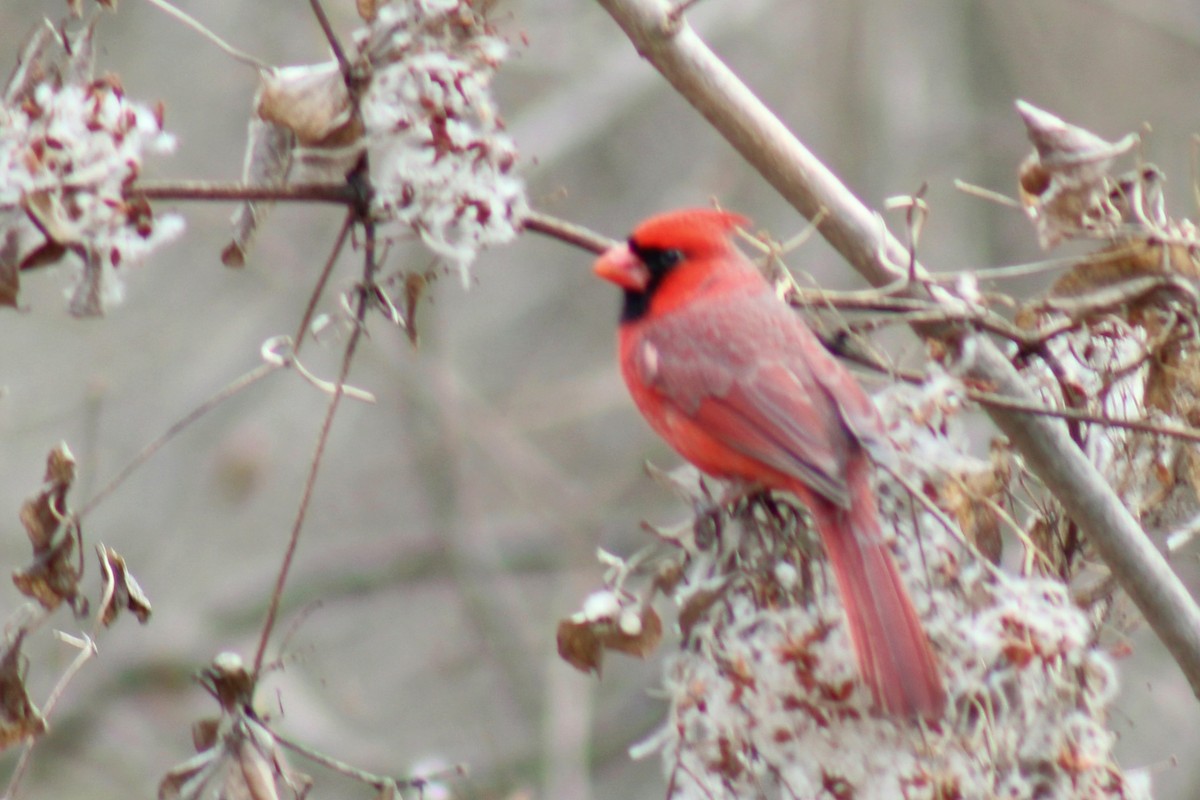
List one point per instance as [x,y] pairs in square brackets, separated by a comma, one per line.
[456,520]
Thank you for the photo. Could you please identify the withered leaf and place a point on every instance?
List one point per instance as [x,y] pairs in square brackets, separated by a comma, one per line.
[54,575]
[367,9]
[87,296]
[19,718]
[696,607]
[1069,149]
[581,643]
[1064,183]
[312,102]
[229,680]
[121,591]
[415,284]
[31,70]
[685,481]
[244,761]
[10,268]
[268,161]
[964,497]
[238,756]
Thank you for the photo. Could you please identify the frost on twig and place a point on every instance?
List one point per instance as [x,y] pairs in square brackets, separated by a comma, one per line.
[70,145]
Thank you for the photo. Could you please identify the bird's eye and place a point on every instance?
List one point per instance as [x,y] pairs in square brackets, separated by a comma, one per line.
[670,258]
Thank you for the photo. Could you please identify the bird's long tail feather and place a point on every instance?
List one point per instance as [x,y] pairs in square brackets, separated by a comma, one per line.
[893,650]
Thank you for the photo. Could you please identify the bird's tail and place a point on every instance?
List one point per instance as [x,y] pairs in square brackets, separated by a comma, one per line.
[893,651]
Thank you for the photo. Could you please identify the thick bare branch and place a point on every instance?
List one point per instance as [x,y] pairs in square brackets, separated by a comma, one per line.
[664,38]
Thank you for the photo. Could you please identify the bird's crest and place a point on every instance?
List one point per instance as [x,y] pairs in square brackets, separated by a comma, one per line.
[695,231]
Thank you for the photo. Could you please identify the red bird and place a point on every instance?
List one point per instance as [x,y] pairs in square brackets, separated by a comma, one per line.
[735,381]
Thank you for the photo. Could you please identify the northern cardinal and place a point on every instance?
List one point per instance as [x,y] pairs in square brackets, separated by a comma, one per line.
[735,381]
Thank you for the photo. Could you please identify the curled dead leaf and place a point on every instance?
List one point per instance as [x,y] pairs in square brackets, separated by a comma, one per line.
[19,717]
[312,102]
[581,642]
[121,591]
[10,267]
[238,756]
[54,575]
[268,161]
[1064,183]
[244,761]
[367,9]
[965,497]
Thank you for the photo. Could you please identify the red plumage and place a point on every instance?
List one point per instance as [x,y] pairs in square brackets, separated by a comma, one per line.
[735,381]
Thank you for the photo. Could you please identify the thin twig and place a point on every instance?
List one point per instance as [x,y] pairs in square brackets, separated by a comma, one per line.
[334,45]
[354,773]
[864,241]
[179,191]
[1142,425]
[87,649]
[147,452]
[369,268]
[322,280]
[199,28]
[566,232]
[984,193]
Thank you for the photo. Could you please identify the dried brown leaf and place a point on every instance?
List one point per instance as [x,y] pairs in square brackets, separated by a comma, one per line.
[367,9]
[205,732]
[10,268]
[1064,184]
[54,575]
[19,718]
[582,643]
[268,161]
[238,758]
[642,640]
[243,763]
[415,284]
[1132,278]
[696,608]
[312,102]
[965,498]
[579,645]
[121,590]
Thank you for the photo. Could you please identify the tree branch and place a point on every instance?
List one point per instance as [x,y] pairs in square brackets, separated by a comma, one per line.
[340,193]
[664,38]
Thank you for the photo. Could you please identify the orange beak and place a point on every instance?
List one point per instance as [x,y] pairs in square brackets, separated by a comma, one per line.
[622,267]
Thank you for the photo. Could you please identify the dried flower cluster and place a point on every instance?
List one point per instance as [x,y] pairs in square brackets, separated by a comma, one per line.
[69,147]
[763,694]
[1122,321]
[764,698]
[441,164]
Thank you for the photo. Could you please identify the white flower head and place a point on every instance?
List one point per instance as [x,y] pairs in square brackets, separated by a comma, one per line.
[69,149]
[440,161]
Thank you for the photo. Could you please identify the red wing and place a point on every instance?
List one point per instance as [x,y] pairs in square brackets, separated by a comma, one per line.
[754,380]
[773,418]
[774,413]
